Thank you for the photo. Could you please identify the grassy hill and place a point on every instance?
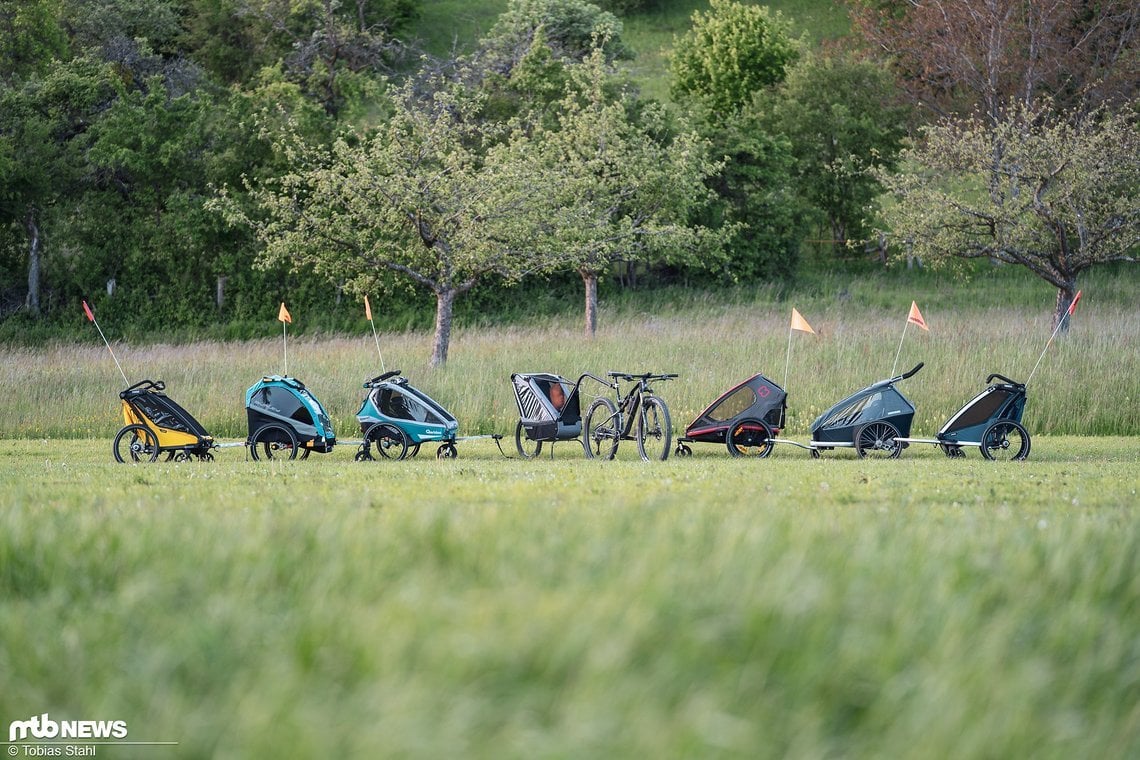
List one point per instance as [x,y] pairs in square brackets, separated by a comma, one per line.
[448,24]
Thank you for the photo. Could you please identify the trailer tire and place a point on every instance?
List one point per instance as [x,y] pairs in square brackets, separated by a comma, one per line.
[749,438]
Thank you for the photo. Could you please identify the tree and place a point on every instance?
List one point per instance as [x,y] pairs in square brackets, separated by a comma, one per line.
[756,202]
[614,189]
[420,200]
[332,48]
[731,52]
[1058,197]
[572,29]
[957,55]
[30,36]
[43,126]
[842,118]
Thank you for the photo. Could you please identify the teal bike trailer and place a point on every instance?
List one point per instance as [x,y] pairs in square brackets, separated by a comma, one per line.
[286,418]
[396,418]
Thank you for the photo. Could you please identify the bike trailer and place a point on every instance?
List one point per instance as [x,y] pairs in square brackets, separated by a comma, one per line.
[284,416]
[549,409]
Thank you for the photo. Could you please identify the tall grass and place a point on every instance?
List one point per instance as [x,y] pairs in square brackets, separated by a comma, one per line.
[485,608]
[1088,383]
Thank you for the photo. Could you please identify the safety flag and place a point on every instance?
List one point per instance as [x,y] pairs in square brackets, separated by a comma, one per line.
[91,318]
[367,309]
[1072,306]
[283,315]
[801,324]
[915,317]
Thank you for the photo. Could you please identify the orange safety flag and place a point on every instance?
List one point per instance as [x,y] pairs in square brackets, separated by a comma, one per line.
[91,317]
[367,309]
[283,315]
[1072,306]
[915,317]
[799,323]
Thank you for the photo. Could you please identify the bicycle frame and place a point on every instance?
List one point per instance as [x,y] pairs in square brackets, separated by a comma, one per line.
[630,411]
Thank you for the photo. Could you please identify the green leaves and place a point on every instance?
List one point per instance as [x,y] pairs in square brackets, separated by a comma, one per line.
[1037,190]
[731,52]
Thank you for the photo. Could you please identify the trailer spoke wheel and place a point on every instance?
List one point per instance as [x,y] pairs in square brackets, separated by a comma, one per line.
[527,448]
[1006,440]
[876,440]
[387,440]
[275,441]
[749,438]
[654,429]
[136,443]
[602,431]
[413,449]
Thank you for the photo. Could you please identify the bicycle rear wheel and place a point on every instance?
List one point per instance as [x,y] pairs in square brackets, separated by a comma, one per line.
[602,431]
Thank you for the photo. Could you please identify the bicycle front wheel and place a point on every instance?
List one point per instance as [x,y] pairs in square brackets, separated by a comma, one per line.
[602,430]
[654,429]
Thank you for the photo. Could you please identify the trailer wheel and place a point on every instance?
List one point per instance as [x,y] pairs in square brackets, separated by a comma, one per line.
[136,442]
[388,440]
[749,438]
[446,451]
[876,440]
[527,448]
[954,452]
[683,451]
[1006,440]
[275,441]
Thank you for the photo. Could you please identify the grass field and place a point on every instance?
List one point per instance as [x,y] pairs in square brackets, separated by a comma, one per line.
[488,608]
[1088,383]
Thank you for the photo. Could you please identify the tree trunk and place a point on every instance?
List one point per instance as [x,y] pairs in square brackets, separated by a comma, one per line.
[590,280]
[33,229]
[444,306]
[1065,296]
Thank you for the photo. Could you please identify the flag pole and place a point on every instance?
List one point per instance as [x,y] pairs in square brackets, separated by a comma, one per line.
[1060,323]
[91,316]
[788,360]
[375,337]
[285,348]
[899,352]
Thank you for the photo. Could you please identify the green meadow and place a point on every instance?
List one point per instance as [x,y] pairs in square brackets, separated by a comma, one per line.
[483,607]
[1087,384]
[494,607]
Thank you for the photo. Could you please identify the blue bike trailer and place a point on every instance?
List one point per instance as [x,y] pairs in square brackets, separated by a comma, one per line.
[395,418]
[286,418]
[991,421]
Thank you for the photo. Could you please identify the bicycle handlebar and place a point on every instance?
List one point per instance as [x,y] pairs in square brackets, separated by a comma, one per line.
[645,376]
[913,372]
[381,378]
[1003,378]
[158,386]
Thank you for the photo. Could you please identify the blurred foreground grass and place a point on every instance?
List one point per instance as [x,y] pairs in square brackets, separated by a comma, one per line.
[479,607]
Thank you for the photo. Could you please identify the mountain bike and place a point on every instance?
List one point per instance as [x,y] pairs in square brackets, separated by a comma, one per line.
[638,415]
